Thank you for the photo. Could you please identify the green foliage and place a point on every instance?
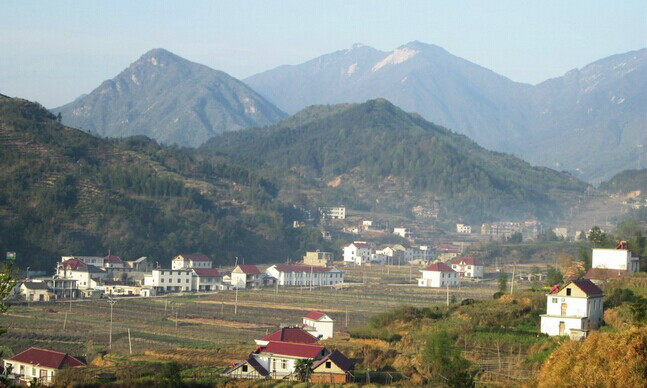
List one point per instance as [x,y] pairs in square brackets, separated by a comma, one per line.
[618,297]
[554,276]
[403,314]
[598,238]
[639,309]
[171,375]
[584,256]
[502,280]
[626,181]
[445,362]
[302,368]
[515,238]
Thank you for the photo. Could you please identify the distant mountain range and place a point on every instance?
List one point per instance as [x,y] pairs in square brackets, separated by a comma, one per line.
[171,99]
[377,157]
[626,182]
[590,122]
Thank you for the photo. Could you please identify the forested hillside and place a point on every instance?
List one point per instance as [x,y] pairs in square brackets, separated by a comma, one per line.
[626,181]
[361,149]
[67,192]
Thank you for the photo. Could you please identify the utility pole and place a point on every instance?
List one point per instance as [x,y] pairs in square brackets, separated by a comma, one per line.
[447,294]
[65,321]
[130,342]
[112,302]
[236,303]
[175,321]
[70,297]
[346,318]
[512,283]
[311,278]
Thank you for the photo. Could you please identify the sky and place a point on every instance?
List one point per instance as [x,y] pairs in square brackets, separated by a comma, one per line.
[54,51]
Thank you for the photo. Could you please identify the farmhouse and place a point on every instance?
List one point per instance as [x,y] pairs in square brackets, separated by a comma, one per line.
[248,369]
[335,368]
[318,324]
[36,292]
[170,280]
[334,213]
[288,334]
[246,276]
[39,364]
[206,279]
[573,310]
[320,259]
[280,358]
[358,252]
[468,267]
[402,232]
[438,275]
[186,261]
[305,275]
[463,229]
[91,260]
[86,275]
[112,261]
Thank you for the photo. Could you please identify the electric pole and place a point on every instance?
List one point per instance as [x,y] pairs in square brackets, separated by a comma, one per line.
[112,302]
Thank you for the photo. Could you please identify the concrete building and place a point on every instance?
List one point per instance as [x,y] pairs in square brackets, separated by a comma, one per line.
[97,261]
[463,229]
[402,232]
[187,261]
[438,275]
[36,292]
[357,252]
[85,275]
[318,324]
[206,279]
[318,258]
[170,280]
[333,213]
[620,258]
[574,310]
[468,267]
[305,275]
[561,232]
[39,364]
[246,276]
[335,368]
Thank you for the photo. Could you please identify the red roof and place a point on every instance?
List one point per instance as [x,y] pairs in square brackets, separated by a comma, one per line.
[206,272]
[47,358]
[291,334]
[467,260]
[360,244]
[195,257]
[315,315]
[293,349]
[439,267]
[249,269]
[301,268]
[112,259]
[444,247]
[605,273]
[588,287]
[74,264]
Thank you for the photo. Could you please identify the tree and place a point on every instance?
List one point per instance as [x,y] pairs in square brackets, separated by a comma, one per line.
[554,276]
[59,117]
[171,374]
[7,283]
[598,238]
[516,238]
[502,279]
[584,256]
[303,368]
[445,362]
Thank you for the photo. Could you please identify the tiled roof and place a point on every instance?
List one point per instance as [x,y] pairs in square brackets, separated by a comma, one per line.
[195,257]
[587,286]
[291,334]
[605,273]
[360,244]
[293,349]
[469,260]
[315,315]
[36,285]
[439,267]
[112,259]
[249,269]
[253,363]
[73,264]
[338,358]
[206,272]
[47,358]
[301,268]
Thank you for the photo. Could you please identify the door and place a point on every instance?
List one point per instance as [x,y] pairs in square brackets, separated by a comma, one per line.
[564,309]
[562,328]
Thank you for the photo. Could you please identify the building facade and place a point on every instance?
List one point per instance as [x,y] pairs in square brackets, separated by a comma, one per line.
[468,267]
[318,258]
[438,275]
[358,253]
[305,275]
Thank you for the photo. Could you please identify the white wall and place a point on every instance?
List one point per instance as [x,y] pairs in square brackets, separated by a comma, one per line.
[323,328]
[438,279]
[612,259]
[171,279]
[550,325]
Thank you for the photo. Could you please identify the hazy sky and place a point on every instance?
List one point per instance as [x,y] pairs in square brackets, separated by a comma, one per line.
[53,51]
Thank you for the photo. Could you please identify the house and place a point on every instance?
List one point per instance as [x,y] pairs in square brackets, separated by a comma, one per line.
[37,292]
[305,275]
[335,368]
[248,369]
[63,288]
[246,276]
[500,230]
[280,358]
[91,260]
[86,275]
[463,229]
[39,364]
[206,279]
[357,252]
[573,310]
[333,213]
[318,324]
[170,280]
[288,334]
[468,267]
[402,232]
[143,264]
[447,255]
[620,258]
[561,232]
[318,258]
[113,288]
[438,275]
[186,261]
[112,261]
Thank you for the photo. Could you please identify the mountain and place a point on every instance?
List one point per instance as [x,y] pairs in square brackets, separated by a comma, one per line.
[626,182]
[375,156]
[170,99]
[557,123]
[68,192]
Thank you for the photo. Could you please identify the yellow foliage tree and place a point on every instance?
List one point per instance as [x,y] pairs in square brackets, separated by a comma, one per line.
[603,360]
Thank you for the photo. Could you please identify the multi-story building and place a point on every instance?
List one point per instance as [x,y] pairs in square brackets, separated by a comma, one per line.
[357,252]
[319,324]
[318,258]
[500,229]
[463,229]
[170,280]
[438,275]
[402,232]
[613,263]
[206,279]
[40,365]
[97,261]
[468,267]
[305,275]
[573,310]
[85,275]
[334,213]
[247,276]
[187,261]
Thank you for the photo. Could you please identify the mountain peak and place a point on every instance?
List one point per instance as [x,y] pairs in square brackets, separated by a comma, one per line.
[159,56]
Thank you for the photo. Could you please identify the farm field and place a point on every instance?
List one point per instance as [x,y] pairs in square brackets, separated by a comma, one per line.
[214,328]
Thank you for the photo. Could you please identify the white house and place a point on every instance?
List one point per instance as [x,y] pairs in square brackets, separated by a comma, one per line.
[85,275]
[170,280]
[112,261]
[206,279]
[438,275]
[305,275]
[246,276]
[358,252]
[402,232]
[186,261]
[573,310]
[463,229]
[620,258]
[39,364]
[468,267]
[318,324]
[92,260]
[280,358]
[335,213]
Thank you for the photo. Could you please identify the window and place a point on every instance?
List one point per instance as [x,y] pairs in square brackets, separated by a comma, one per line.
[284,364]
[568,292]
[244,368]
[554,300]
[187,280]
[328,364]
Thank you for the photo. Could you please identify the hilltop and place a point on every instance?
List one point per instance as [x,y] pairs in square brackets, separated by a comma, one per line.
[376,156]
[68,192]
[170,99]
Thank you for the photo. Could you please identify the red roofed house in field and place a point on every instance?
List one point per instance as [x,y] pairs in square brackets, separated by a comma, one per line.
[305,275]
[612,263]
[288,334]
[438,275]
[195,260]
[40,364]
[357,252]
[246,276]
[280,358]
[206,279]
[335,368]
[319,324]
[112,261]
[468,267]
